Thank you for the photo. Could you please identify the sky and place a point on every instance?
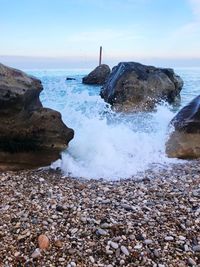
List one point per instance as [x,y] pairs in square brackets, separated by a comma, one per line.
[68,33]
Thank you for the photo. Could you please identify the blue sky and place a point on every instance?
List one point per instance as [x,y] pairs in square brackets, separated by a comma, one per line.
[56,32]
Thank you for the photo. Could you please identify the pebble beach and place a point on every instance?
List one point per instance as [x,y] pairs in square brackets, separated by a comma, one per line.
[153,219]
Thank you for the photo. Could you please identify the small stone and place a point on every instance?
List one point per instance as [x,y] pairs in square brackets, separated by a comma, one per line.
[122,262]
[196,248]
[91,259]
[43,242]
[59,208]
[101,232]
[186,248]
[114,245]
[127,207]
[58,244]
[17,253]
[148,241]
[124,250]
[169,238]
[36,253]
[182,238]
[191,262]
[73,264]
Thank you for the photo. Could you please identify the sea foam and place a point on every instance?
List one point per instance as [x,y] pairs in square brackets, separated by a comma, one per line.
[106,144]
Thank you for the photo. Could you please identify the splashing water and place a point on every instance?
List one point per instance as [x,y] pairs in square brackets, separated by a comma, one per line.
[106,145]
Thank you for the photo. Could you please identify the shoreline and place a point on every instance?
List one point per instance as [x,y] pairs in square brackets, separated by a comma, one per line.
[149,222]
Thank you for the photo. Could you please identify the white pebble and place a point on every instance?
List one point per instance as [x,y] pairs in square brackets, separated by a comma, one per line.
[125,250]
[114,245]
[169,238]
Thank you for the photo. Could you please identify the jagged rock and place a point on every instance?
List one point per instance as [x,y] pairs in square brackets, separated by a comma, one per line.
[184,141]
[98,76]
[132,86]
[30,135]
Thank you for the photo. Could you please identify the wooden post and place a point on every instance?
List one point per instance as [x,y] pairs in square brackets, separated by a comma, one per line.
[100,55]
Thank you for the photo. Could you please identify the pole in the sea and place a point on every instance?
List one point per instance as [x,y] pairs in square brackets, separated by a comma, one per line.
[100,55]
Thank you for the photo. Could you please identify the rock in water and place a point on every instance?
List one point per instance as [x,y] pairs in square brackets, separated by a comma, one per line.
[30,135]
[184,141]
[98,76]
[132,86]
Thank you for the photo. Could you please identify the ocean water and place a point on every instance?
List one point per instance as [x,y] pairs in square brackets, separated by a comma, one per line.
[110,145]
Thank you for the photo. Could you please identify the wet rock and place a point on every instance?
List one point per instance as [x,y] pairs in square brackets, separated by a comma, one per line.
[98,76]
[132,86]
[30,135]
[184,141]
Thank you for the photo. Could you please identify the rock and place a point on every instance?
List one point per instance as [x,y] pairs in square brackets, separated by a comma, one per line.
[191,262]
[184,141]
[70,79]
[43,242]
[101,232]
[132,86]
[30,136]
[169,238]
[148,241]
[98,76]
[124,250]
[58,244]
[36,253]
[114,245]
[196,248]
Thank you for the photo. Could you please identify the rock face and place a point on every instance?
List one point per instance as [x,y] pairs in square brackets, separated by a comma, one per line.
[98,76]
[30,135]
[132,86]
[184,141]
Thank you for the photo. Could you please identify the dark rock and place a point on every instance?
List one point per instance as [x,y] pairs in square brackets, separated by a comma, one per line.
[70,79]
[98,76]
[30,135]
[133,86]
[184,141]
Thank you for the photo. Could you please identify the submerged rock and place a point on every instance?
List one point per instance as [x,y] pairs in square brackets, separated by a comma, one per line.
[184,141]
[30,135]
[98,76]
[132,86]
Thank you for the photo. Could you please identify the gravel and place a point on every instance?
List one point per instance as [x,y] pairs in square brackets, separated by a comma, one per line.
[152,219]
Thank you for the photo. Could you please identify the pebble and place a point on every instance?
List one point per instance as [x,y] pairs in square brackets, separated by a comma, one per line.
[43,242]
[148,241]
[182,238]
[73,264]
[191,262]
[114,245]
[101,232]
[92,259]
[169,238]
[196,248]
[124,250]
[36,253]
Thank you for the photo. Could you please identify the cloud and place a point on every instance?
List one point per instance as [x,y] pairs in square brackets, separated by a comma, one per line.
[195,5]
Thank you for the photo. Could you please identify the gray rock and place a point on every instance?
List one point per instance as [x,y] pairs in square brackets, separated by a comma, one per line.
[196,248]
[124,250]
[101,232]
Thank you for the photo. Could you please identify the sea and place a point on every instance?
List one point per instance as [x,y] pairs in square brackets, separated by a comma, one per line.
[109,145]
